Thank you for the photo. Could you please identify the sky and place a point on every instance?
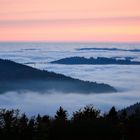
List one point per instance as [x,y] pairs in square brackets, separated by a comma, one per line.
[70,20]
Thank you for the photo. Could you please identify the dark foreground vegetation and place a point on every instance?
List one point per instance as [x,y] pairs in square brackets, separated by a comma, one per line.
[85,124]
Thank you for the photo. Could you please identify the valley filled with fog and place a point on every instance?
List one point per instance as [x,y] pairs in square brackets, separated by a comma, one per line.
[125,78]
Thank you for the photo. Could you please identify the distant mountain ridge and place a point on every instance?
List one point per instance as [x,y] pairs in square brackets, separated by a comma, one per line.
[14,77]
[108,49]
[95,61]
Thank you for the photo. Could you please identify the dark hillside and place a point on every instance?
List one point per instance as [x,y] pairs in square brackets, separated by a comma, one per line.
[14,76]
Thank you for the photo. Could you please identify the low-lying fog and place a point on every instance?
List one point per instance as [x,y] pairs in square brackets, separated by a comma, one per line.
[34,103]
[124,78]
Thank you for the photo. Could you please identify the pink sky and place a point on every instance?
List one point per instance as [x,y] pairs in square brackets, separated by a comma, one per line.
[70,20]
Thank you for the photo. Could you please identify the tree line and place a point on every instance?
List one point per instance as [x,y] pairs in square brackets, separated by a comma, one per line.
[85,124]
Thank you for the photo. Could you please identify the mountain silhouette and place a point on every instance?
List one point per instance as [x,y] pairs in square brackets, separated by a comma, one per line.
[95,61]
[108,49]
[131,109]
[18,77]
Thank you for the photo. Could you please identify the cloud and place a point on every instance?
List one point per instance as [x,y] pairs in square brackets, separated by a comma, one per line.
[34,103]
[124,78]
[69,21]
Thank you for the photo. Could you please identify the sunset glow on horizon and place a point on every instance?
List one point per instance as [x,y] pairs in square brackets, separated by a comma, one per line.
[74,20]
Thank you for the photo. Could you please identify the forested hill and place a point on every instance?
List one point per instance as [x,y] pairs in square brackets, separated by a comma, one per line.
[95,61]
[14,77]
[131,109]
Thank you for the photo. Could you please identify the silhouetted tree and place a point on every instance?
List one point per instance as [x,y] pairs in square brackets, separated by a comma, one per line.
[88,113]
[9,119]
[61,115]
[112,115]
[41,127]
[86,123]
[31,129]
[123,115]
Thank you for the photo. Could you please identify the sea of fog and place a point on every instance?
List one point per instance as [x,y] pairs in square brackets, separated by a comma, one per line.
[125,78]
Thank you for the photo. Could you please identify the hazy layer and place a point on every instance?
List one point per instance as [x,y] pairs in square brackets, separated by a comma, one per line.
[124,78]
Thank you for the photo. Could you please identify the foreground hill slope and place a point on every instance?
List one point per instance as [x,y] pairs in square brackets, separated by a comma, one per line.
[15,77]
[131,109]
